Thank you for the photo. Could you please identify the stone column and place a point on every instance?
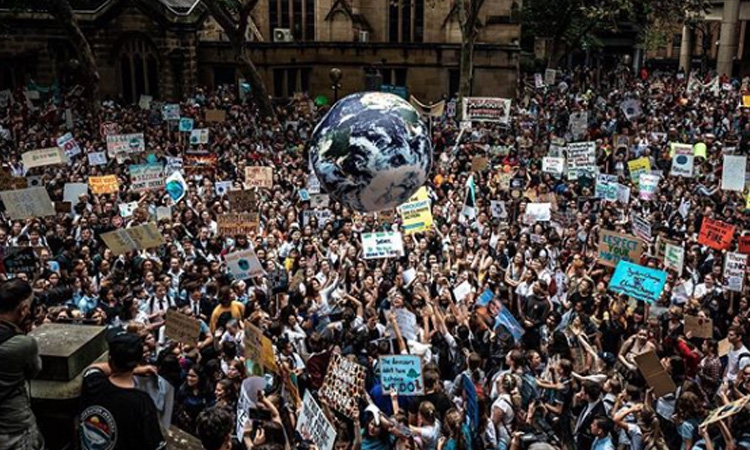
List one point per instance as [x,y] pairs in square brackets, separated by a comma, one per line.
[728,38]
[686,48]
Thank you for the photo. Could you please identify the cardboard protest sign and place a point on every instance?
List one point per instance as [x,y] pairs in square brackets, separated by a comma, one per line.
[728,410]
[142,237]
[486,109]
[733,173]
[674,257]
[479,163]
[244,264]
[497,209]
[616,247]
[29,203]
[734,271]
[242,200]
[343,385]
[97,159]
[402,373]
[67,143]
[549,76]
[238,224]
[388,244]
[125,143]
[578,123]
[654,373]
[126,209]
[641,227]
[606,187]
[215,115]
[182,328]
[637,167]
[106,184]
[581,157]
[539,212]
[43,157]
[313,424]
[407,324]
[261,177]
[682,161]
[553,165]
[744,244]
[647,186]
[639,282]
[146,177]
[716,234]
[259,348]
[8,182]
[699,327]
[19,260]
[163,213]
[199,136]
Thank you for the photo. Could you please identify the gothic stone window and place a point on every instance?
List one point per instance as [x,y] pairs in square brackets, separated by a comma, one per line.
[138,69]
[406,21]
[296,15]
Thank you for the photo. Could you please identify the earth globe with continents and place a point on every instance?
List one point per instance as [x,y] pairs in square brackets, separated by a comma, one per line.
[371,151]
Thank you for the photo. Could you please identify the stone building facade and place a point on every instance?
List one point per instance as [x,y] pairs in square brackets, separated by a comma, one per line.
[165,47]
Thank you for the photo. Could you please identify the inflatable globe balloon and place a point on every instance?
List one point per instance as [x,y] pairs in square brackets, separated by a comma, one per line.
[371,151]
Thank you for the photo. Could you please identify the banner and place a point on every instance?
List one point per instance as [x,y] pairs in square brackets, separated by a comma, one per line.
[581,157]
[486,109]
[125,143]
[142,237]
[402,373]
[261,177]
[106,184]
[68,144]
[638,167]
[435,110]
[553,165]
[313,425]
[29,203]
[259,348]
[716,234]
[606,187]
[388,244]
[616,247]
[43,157]
[641,227]
[647,186]
[416,215]
[343,385]
[199,136]
[682,161]
[579,122]
[244,264]
[182,328]
[674,257]
[734,271]
[638,282]
[733,173]
[146,177]
[238,224]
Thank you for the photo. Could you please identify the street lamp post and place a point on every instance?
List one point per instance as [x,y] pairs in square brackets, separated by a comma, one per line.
[335,75]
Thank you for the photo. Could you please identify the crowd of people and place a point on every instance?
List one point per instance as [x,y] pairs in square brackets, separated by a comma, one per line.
[567,376]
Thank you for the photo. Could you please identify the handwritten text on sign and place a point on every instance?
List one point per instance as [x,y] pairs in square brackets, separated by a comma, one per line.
[614,247]
[402,373]
[638,281]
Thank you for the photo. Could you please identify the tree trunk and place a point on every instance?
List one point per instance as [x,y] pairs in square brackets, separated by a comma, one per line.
[63,14]
[257,86]
[467,69]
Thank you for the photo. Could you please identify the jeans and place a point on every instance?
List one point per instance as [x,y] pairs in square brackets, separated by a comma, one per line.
[30,439]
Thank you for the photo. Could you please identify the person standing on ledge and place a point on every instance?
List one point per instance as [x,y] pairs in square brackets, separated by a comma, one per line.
[19,354]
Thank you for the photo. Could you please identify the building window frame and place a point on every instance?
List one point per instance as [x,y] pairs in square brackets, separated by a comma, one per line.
[406,21]
[296,15]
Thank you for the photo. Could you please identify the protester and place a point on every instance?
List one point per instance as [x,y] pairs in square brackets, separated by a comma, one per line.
[575,278]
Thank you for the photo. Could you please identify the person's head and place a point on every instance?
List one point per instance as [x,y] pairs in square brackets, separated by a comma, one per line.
[601,426]
[427,413]
[734,335]
[125,352]
[214,428]
[15,302]
[592,391]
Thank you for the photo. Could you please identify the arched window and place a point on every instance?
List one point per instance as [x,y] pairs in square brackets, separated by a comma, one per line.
[138,69]
[406,21]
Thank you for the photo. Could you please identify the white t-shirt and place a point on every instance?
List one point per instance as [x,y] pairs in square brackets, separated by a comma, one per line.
[733,362]
[504,404]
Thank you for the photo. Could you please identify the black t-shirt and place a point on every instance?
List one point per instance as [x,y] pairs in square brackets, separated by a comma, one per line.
[439,400]
[114,418]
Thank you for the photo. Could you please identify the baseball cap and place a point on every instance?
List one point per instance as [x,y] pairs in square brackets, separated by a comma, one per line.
[125,349]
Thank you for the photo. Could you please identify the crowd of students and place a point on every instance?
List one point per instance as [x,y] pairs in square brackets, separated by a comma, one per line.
[564,373]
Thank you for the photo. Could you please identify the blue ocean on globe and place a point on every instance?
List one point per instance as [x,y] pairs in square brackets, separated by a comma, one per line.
[371,151]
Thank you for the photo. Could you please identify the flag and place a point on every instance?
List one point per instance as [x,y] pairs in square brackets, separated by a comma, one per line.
[469,210]
[472,402]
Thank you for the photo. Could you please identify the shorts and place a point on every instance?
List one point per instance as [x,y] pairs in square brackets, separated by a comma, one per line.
[29,439]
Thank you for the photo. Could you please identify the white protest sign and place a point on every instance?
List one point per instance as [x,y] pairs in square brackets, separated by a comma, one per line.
[125,143]
[734,271]
[581,157]
[387,244]
[497,208]
[244,264]
[648,185]
[549,76]
[97,159]
[606,187]
[641,228]
[146,177]
[199,136]
[222,187]
[631,108]
[733,173]
[127,209]
[674,257]
[72,191]
[313,424]
[682,161]
[68,144]
[553,165]
[579,124]
[407,323]
[623,194]
[539,212]
[43,157]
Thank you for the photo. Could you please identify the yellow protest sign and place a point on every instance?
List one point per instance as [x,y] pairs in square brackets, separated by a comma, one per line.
[637,167]
[699,149]
[106,184]
[746,101]
[259,348]
[416,214]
